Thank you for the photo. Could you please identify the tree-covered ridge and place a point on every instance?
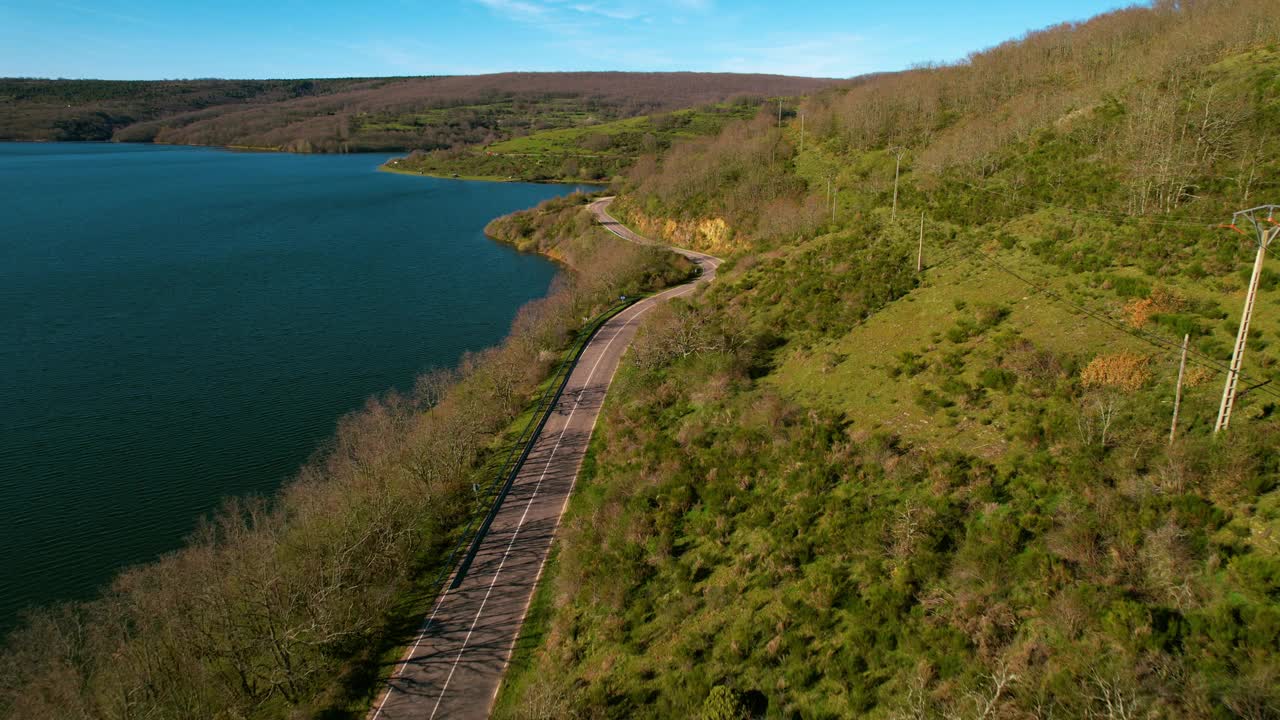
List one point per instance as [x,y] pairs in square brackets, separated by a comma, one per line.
[591,152]
[832,486]
[359,114]
[34,109]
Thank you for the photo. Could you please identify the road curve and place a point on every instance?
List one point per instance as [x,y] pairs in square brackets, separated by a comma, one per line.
[454,668]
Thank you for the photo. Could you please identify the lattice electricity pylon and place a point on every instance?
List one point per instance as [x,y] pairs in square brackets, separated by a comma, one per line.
[1263,221]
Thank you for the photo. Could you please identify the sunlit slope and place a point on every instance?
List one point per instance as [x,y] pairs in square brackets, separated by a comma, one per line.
[587,150]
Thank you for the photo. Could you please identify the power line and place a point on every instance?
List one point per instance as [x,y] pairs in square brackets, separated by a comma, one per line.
[1151,338]
[1202,359]
[1266,234]
[1109,214]
[1200,223]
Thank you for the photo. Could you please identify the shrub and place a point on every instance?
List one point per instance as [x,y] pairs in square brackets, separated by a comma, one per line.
[722,704]
[1129,287]
[1125,371]
[910,364]
[1139,311]
[997,379]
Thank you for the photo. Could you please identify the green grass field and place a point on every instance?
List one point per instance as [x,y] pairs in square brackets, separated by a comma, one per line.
[874,373]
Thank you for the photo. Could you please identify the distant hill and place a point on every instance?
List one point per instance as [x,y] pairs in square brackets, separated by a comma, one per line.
[360,114]
[589,152]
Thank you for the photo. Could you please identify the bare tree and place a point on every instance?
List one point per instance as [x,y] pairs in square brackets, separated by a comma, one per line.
[1110,699]
[898,152]
[1097,414]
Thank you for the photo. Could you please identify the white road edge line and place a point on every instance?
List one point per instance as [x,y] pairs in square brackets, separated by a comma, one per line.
[404,661]
[674,292]
[545,469]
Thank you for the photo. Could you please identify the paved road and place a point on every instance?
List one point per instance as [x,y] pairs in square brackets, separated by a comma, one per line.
[454,668]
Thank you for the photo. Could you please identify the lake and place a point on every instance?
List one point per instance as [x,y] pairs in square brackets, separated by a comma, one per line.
[182,324]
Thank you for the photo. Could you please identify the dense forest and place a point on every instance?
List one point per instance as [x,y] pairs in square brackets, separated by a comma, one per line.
[834,486]
[359,114]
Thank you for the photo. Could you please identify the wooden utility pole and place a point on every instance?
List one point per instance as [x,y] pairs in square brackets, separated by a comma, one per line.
[1263,220]
[920,252]
[831,198]
[1177,396]
[898,151]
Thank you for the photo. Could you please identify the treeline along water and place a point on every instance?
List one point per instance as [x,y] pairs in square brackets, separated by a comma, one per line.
[178,325]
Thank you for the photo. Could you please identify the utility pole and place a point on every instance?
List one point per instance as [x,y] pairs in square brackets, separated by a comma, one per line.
[779,112]
[920,252]
[1262,218]
[1177,396]
[898,151]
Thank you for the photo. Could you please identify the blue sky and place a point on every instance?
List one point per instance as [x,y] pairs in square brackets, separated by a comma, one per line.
[153,39]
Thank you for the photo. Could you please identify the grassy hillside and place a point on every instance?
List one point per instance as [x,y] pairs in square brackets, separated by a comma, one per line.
[831,486]
[359,114]
[590,151]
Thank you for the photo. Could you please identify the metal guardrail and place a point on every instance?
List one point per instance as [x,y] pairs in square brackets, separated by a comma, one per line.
[501,484]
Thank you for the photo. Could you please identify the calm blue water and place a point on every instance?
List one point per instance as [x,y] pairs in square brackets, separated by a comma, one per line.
[180,324]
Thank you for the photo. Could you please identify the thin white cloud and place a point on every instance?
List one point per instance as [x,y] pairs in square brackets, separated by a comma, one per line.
[831,55]
[396,56]
[613,13]
[701,6]
[516,9]
[410,57]
[637,57]
[107,14]
[559,14]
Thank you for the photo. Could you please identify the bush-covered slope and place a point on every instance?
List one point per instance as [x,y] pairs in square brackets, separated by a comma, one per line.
[831,486]
[563,229]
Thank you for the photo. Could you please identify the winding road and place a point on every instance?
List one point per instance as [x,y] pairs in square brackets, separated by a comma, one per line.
[455,667]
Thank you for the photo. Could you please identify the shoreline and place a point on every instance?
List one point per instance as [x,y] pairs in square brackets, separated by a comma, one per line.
[383,167]
[339,689]
[386,167]
[94,590]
